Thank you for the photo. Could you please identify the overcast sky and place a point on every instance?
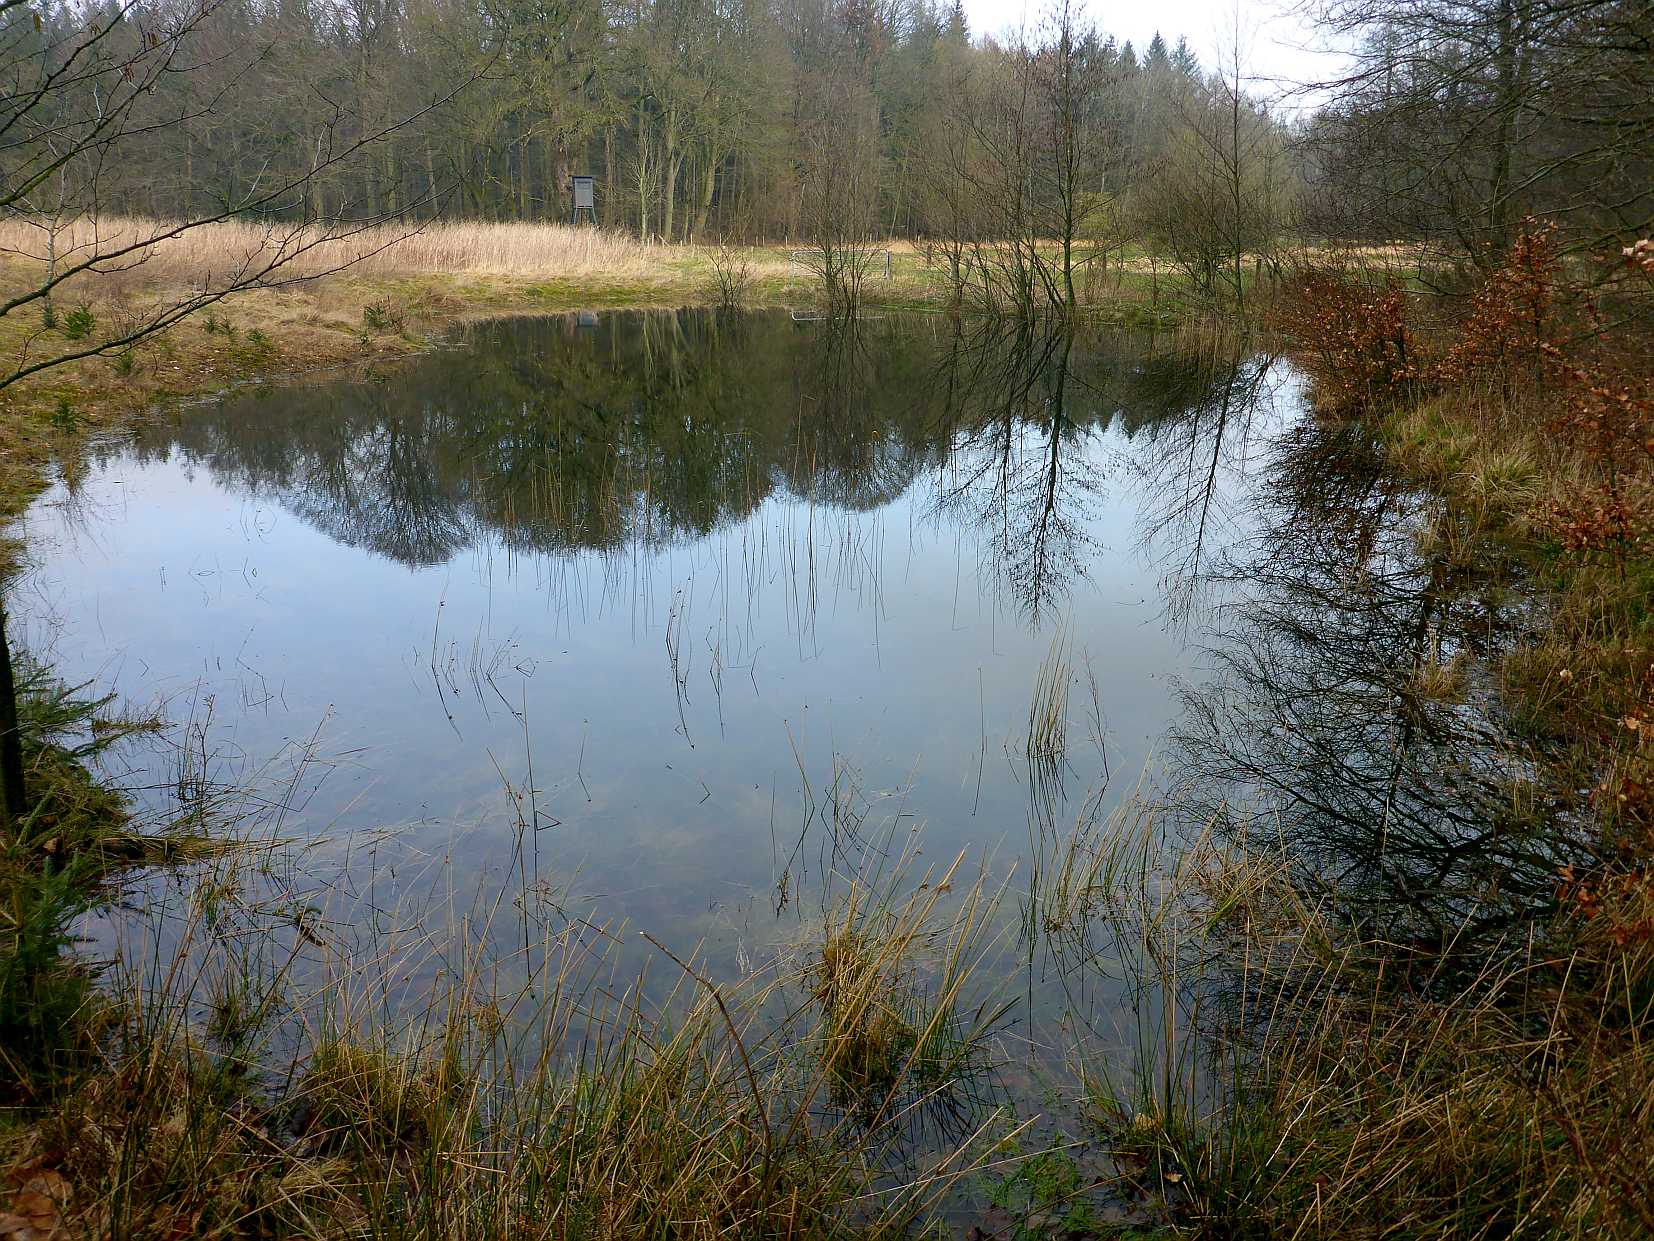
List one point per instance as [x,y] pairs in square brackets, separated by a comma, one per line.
[1281,43]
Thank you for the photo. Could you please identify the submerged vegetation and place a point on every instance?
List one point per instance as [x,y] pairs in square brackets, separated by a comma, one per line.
[258,1076]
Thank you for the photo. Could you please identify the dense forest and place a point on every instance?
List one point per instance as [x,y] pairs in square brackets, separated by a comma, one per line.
[757,119]
[693,116]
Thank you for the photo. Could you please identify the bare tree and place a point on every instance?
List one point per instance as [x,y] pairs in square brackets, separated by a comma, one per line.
[1070,76]
[1463,116]
[1018,165]
[838,181]
[81,100]
[1221,191]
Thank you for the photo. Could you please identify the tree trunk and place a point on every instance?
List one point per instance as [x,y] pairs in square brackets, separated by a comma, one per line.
[643,178]
[550,187]
[560,191]
[524,172]
[1235,171]
[674,161]
[608,167]
[708,187]
[1504,130]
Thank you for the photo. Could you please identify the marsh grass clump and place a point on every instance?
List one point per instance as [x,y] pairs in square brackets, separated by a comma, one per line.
[888,987]
[371,1098]
[1048,708]
[1073,874]
[1440,680]
[1505,479]
[867,1041]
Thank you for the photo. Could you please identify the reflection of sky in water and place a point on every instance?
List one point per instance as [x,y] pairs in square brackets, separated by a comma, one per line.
[675,694]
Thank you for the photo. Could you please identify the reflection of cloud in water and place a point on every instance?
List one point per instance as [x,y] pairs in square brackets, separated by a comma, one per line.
[715,506]
[730,597]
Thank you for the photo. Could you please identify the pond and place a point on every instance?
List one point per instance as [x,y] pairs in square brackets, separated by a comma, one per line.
[704,608]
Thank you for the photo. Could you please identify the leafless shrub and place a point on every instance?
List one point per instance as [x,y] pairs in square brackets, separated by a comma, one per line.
[730,281]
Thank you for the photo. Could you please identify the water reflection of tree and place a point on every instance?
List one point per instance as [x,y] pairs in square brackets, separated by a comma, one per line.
[382,488]
[1020,470]
[1192,468]
[858,401]
[652,428]
[1023,402]
[1342,710]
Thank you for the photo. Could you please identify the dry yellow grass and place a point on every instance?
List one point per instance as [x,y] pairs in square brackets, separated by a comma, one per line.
[157,252]
[524,250]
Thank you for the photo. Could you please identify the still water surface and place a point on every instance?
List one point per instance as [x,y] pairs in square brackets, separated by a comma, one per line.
[699,588]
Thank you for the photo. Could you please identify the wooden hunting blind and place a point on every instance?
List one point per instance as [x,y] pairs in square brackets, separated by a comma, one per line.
[585,197]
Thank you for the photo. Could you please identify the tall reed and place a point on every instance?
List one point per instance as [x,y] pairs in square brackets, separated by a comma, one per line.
[1048,707]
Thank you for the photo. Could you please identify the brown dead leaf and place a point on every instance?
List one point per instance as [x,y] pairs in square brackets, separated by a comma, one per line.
[33,1217]
[53,1184]
[36,1208]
